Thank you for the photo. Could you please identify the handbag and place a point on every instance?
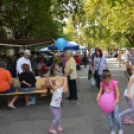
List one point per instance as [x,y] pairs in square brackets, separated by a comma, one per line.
[96,73]
[89,74]
[92,80]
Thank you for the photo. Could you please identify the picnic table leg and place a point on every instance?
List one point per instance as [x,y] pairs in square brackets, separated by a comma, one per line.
[0,102]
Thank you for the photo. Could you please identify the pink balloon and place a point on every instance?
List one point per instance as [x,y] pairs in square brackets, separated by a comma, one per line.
[107,103]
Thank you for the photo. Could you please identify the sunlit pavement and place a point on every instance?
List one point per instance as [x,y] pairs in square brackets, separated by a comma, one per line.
[81,117]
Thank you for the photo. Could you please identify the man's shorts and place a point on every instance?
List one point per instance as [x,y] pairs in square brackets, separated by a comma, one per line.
[10,90]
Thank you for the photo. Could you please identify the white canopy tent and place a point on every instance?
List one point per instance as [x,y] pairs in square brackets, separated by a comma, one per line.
[44,49]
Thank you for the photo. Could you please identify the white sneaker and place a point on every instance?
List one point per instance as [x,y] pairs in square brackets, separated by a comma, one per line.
[120,132]
[52,131]
[60,129]
[113,132]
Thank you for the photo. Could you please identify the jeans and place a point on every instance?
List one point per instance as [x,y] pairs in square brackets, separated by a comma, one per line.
[27,89]
[112,115]
[98,81]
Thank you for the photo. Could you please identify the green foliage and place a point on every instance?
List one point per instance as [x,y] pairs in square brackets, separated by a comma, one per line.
[3,34]
[30,19]
[36,19]
[107,23]
[70,30]
[116,16]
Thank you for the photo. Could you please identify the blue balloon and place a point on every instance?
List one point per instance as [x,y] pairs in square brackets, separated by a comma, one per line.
[61,43]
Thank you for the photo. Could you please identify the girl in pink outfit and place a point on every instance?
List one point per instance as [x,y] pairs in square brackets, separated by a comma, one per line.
[109,85]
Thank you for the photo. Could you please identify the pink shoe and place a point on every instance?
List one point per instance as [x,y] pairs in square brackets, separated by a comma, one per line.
[52,131]
[113,132]
[120,132]
[126,121]
[60,129]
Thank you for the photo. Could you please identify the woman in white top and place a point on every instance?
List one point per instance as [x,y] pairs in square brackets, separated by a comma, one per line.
[55,105]
[100,64]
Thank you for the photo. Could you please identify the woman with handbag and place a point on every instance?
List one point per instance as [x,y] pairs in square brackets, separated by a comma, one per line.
[100,64]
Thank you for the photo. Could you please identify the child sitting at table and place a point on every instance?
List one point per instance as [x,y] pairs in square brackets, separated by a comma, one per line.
[27,82]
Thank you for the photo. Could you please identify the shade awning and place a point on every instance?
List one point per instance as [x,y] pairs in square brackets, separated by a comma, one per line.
[25,42]
[68,46]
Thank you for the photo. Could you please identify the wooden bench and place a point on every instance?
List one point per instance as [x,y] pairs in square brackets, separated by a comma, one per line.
[41,87]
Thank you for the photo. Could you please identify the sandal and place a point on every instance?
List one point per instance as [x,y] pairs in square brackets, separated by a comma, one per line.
[11,108]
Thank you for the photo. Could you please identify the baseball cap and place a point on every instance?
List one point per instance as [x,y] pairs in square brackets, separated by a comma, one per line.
[27,52]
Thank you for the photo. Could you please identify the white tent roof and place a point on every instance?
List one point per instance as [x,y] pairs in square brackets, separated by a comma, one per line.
[83,48]
[44,49]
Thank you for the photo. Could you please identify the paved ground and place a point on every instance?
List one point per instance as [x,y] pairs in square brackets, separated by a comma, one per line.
[81,117]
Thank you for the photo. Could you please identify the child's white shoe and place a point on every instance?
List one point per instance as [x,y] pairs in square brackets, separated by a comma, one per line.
[52,131]
[60,129]
[120,132]
[113,132]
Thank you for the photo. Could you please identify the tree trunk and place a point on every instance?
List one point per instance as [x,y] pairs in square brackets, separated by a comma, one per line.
[0,5]
[108,51]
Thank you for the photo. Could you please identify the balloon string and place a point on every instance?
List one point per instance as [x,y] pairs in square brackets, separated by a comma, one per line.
[58,52]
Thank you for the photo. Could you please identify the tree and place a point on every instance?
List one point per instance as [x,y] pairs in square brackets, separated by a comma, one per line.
[0,5]
[31,19]
[70,30]
[3,34]
[116,16]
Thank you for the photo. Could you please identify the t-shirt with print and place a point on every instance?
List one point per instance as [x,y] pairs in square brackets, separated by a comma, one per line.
[5,75]
[100,64]
[56,98]
[110,87]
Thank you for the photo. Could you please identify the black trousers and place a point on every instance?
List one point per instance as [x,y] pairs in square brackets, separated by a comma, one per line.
[72,88]
[98,81]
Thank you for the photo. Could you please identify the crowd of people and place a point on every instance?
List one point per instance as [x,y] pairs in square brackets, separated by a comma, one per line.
[37,64]
[106,84]
[27,66]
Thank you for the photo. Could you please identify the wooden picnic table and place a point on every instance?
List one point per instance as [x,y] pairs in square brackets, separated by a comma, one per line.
[41,87]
